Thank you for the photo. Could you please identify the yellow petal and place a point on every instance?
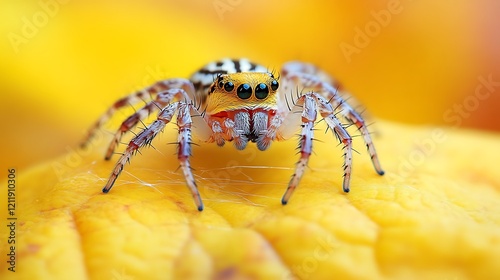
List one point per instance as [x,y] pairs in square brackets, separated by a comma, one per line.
[434,215]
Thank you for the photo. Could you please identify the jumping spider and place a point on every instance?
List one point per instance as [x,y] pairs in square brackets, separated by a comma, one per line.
[240,102]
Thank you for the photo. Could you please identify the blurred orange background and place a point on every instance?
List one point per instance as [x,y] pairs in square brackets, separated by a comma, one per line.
[62,63]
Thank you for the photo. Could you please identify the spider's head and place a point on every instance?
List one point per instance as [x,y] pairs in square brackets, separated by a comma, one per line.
[242,90]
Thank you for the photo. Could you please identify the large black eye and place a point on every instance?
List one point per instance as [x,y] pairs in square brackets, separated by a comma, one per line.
[229,86]
[219,80]
[244,91]
[274,85]
[261,91]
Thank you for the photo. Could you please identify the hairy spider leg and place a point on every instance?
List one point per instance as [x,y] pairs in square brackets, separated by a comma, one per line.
[311,103]
[147,135]
[176,89]
[305,91]
[305,143]
[309,81]
[145,94]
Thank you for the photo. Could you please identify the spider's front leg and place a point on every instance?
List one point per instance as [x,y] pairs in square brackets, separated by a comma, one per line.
[311,102]
[147,135]
[130,99]
[305,144]
[160,94]
[309,77]
[162,99]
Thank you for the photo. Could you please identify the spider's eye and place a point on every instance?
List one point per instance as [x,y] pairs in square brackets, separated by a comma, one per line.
[274,85]
[229,86]
[261,91]
[220,84]
[244,91]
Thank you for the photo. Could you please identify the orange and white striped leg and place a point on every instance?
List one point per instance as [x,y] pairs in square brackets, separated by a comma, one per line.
[162,99]
[310,81]
[327,112]
[143,95]
[184,123]
[147,135]
[306,137]
[311,103]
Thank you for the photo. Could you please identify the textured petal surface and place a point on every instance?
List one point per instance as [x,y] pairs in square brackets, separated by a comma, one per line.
[434,215]
[58,72]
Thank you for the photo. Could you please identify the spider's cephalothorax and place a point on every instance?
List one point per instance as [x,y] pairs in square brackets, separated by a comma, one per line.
[241,102]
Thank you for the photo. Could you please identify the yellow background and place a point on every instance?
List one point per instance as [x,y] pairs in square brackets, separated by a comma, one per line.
[430,217]
[88,53]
